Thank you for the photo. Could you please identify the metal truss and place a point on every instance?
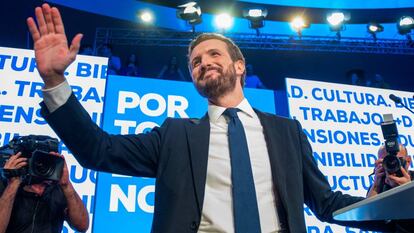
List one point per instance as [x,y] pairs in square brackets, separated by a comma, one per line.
[158,37]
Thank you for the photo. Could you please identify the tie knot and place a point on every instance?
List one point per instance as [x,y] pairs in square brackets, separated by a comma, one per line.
[231,112]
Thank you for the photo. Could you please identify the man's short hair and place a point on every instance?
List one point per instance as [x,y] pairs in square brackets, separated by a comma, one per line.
[232,49]
[403,150]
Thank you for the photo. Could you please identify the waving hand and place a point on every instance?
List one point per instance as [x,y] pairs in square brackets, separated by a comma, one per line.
[53,55]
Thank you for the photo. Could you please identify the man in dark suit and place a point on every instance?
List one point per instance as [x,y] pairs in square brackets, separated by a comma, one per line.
[202,184]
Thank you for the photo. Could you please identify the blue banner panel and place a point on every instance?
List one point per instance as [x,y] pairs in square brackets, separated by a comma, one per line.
[134,105]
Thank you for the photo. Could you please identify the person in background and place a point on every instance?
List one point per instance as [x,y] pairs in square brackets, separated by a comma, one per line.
[172,71]
[252,80]
[131,67]
[40,207]
[114,62]
[382,178]
[379,82]
[86,49]
[384,181]
[356,77]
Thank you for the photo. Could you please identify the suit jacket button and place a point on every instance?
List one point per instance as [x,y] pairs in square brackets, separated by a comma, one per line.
[194,225]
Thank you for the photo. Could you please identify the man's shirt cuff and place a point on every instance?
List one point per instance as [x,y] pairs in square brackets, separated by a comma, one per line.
[56,96]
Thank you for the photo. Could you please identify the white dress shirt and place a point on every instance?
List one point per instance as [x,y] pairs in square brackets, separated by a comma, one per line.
[217,213]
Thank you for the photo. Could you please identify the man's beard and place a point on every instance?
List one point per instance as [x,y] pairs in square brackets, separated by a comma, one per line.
[213,88]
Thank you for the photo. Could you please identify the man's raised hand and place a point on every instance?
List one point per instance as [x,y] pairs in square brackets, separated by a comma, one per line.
[52,53]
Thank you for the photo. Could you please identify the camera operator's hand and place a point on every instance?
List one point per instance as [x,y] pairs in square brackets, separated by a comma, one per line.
[64,179]
[379,174]
[8,195]
[395,181]
[52,53]
[76,213]
[15,162]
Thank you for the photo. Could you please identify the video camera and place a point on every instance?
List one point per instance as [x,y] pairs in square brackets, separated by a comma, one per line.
[391,162]
[41,165]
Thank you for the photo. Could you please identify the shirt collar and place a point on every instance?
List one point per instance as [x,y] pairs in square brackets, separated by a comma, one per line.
[215,112]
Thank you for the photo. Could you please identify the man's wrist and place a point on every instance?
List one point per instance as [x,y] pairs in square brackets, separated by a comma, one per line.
[14,183]
[54,81]
[56,96]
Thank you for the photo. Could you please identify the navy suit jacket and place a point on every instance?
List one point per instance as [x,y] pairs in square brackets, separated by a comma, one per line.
[176,155]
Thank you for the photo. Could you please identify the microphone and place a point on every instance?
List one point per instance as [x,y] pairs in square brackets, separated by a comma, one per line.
[398,100]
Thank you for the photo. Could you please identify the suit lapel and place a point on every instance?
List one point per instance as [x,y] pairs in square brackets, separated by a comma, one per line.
[198,136]
[274,142]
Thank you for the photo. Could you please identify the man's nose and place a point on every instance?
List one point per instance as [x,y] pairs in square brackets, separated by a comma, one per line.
[206,62]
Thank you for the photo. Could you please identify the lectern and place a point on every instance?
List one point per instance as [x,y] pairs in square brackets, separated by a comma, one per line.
[394,204]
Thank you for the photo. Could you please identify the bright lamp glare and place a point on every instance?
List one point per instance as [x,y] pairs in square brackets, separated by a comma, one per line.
[336,19]
[255,13]
[147,17]
[223,21]
[405,21]
[373,28]
[191,8]
[298,23]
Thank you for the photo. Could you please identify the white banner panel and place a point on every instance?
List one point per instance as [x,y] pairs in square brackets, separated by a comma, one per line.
[342,123]
[20,95]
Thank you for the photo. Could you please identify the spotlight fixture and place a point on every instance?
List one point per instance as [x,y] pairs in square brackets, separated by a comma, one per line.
[374,28]
[146,16]
[190,12]
[256,17]
[405,25]
[336,22]
[298,24]
[223,21]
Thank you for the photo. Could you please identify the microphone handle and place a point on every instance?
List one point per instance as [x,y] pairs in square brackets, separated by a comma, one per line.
[407,108]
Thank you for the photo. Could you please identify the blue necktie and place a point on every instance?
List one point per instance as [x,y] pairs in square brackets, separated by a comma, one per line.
[246,213]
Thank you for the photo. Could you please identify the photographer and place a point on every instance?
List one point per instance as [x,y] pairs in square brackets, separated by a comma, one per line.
[384,181]
[40,207]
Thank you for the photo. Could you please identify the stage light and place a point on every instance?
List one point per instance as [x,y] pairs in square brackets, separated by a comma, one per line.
[336,19]
[146,17]
[336,22]
[256,13]
[190,12]
[374,28]
[298,24]
[256,17]
[223,21]
[406,21]
[405,25]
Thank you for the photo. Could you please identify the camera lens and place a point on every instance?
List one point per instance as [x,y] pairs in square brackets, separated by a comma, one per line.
[43,166]
[391,164]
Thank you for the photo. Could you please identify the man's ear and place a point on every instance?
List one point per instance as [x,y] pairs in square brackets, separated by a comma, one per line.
[240,67]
